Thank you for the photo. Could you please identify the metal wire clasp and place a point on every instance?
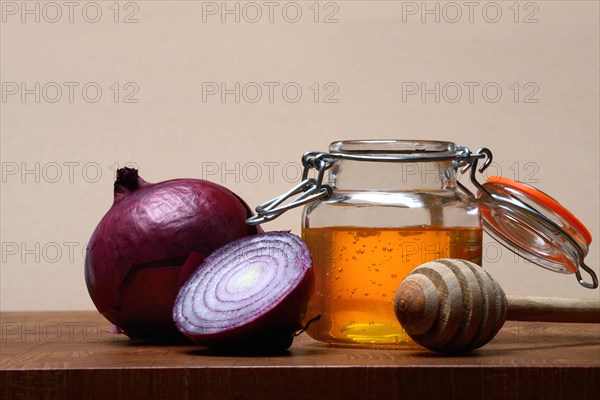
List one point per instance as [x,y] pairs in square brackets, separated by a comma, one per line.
[308,190]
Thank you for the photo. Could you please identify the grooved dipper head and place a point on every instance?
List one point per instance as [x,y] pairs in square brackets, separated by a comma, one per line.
[450,306]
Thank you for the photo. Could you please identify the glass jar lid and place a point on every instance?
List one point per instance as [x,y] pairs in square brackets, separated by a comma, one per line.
[535,226]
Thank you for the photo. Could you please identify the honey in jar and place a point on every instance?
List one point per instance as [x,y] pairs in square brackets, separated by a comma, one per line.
[359,269]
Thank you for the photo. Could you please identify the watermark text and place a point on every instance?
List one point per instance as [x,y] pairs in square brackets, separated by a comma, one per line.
[252,12]
[469,92]
[69,92]
[53,12]
[58,172]
[269,92]
[453,12]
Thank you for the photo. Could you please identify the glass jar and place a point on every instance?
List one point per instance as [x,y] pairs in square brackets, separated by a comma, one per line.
[381,220]
[391,205]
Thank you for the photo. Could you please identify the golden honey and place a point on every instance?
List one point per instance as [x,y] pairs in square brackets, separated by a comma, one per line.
[357,273]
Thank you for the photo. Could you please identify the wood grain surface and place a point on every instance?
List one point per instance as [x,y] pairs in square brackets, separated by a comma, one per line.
[69,355]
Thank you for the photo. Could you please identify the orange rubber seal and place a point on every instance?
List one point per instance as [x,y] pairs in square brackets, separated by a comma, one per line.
[544,200]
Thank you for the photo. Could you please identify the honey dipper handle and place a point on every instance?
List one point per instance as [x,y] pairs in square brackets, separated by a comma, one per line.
[553,309]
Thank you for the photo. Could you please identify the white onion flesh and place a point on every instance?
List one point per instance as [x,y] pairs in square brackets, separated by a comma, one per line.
[240,283]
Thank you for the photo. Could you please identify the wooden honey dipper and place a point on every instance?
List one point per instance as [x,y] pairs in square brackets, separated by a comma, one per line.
[454,306]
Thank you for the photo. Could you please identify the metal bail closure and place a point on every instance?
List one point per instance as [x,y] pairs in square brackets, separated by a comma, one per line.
[313,189]
[535,226]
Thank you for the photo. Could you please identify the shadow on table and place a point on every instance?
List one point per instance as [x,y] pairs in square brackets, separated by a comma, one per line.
[179,342]
[491,351]
[207,352]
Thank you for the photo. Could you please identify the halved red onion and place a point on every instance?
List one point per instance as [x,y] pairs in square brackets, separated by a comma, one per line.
[249,295]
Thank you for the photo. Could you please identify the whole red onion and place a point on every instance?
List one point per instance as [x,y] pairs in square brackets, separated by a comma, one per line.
[134,257]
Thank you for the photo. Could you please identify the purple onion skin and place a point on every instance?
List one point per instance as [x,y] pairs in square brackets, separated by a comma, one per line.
[269,333]
[134,257]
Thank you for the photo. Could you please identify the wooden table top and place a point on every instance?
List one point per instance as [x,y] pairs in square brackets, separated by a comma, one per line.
[70,355]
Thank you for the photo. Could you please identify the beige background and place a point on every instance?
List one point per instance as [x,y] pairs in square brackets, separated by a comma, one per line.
[170,132]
